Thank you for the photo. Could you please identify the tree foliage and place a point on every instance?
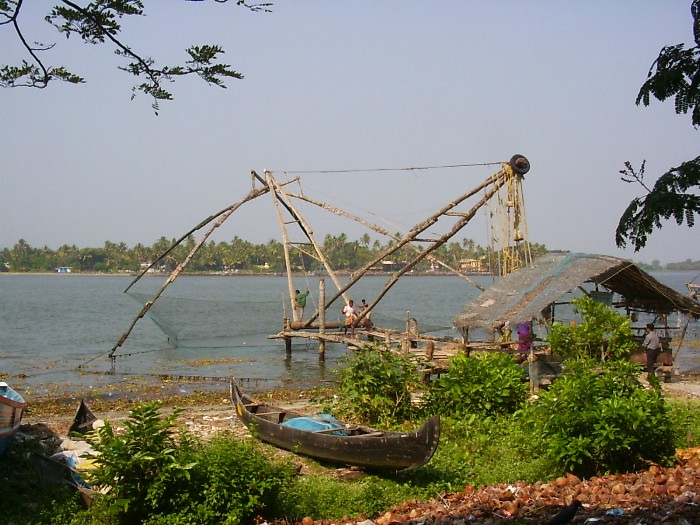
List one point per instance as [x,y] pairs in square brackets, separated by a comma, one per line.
[604,333]
[670,197]
[238,255]
[674,74]
[485,384]
[376,386]
[100,23]
[598,419]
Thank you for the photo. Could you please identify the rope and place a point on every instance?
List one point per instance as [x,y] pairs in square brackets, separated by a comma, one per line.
[306,277]
[415,168]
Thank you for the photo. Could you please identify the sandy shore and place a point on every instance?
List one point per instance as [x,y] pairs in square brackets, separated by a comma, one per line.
[204,413]
[207,412]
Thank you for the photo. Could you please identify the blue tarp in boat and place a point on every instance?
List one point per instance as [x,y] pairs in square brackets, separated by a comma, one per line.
[316,423]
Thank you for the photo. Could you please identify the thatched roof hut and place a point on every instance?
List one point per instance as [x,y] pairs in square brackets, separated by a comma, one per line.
[525,294]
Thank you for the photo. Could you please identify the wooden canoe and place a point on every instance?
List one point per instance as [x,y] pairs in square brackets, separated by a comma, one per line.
[352,445]
[11,407]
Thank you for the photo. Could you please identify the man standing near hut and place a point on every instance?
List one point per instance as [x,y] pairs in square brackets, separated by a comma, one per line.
[300,303]
[652,347]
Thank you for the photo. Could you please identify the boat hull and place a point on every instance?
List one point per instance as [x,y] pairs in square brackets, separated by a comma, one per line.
[11,407]
[363,447]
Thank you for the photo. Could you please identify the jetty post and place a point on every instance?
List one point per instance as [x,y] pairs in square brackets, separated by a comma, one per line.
[322,319]
[287,339]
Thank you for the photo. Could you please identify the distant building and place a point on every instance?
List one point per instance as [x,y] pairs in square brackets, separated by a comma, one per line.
[392,266]
[471,265]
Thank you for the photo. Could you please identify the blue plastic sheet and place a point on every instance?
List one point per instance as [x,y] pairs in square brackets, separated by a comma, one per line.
[316,424]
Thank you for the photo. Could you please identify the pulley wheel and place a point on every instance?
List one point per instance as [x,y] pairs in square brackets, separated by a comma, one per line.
[519,164]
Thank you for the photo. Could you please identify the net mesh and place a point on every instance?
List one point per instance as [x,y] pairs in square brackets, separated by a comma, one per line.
[228,323]
[237,324]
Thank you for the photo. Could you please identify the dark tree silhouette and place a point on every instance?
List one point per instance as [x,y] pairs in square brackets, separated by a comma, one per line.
[674,74]
[100,23]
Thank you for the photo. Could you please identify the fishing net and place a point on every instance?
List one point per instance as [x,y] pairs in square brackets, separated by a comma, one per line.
[202,323]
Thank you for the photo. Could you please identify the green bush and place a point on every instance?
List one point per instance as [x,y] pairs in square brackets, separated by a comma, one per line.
[598,419]
[232,481]
[25,498]
[484,384]
[143,467]
[375,386]
[685,417]
[156,479]
[604,333]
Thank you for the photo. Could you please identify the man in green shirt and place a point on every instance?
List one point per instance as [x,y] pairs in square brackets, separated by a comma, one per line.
[300,303]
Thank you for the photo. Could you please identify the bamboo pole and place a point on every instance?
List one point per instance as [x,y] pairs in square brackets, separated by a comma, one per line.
[206,221]
[495,181]
[308,231]
[285,239]
[382,231]
[322,319]
[147,306]
[681,337]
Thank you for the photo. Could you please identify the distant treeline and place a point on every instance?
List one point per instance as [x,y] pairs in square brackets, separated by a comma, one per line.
[656,266]
[243,256]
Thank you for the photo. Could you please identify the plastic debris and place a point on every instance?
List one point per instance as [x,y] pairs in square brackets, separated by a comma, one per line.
[615,512]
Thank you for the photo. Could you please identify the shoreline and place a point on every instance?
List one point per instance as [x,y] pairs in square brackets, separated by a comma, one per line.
[207,413]
[246,274]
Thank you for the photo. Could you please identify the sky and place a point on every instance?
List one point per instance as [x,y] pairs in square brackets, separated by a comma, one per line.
[349,86]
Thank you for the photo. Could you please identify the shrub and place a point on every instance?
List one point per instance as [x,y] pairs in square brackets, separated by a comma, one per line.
[142,466]
[233,481]
[604,333]
[484,384]
[599,419]
[376,384]
[685,417]
[155,479]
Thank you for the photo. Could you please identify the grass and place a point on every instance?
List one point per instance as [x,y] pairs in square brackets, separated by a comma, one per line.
[472,452]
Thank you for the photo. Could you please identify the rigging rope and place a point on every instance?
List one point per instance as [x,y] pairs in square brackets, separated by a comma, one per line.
[415,168]
[306,277]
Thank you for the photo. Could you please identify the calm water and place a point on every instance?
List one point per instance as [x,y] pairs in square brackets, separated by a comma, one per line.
[57,330]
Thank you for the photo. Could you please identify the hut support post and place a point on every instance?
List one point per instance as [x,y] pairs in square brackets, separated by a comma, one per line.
[533,369]
[681,337]
[322,319]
